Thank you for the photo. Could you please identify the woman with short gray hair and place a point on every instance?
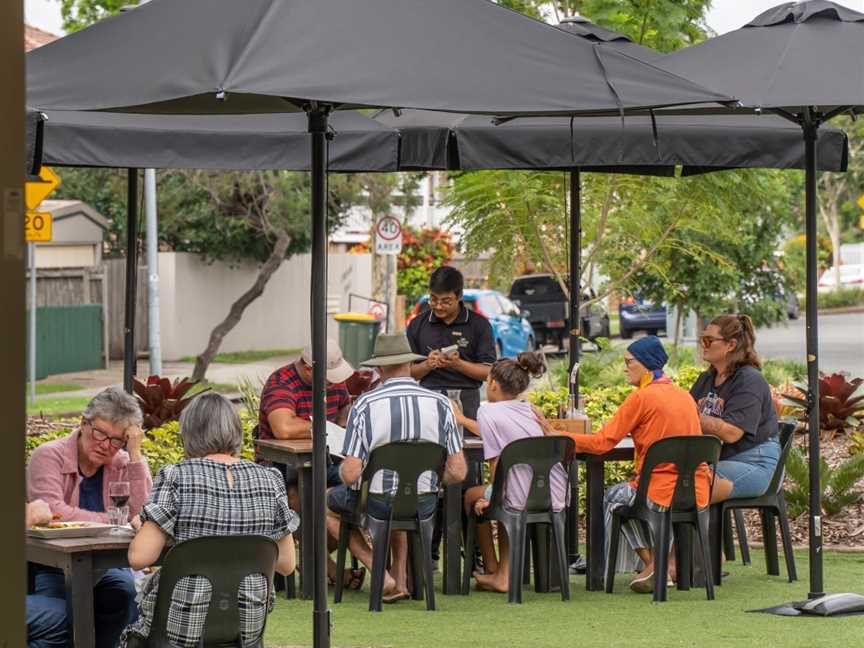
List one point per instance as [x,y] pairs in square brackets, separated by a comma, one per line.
[212,492]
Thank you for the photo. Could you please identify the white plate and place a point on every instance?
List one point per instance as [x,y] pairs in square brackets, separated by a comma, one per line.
[85,530]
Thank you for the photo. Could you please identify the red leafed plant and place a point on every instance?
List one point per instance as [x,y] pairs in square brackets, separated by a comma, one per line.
[162,400]
[841,402]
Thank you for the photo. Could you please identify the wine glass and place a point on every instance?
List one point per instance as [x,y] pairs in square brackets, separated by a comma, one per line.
[118,512]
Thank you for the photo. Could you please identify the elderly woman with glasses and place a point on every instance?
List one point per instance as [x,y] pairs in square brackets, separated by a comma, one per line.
[72,475]
[736,405]
[212,492]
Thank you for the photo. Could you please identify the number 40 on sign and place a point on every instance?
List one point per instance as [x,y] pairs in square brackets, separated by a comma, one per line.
[388,236]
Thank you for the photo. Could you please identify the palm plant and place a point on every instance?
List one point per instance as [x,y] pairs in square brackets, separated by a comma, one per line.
[838,483]
[841,402]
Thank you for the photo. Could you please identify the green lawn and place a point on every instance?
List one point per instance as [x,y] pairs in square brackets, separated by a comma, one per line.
[55,406]
[55,388]
[592,619]
[242,357]
[221,388]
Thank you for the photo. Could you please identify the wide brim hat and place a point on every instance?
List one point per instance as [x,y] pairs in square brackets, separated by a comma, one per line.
[392,349]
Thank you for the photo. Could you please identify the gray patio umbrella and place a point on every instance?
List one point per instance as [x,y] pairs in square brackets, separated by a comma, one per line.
[222,56]
[804,62]
[34,122]
[595,33]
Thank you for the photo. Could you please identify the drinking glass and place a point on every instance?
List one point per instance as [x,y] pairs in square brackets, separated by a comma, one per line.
[118,512]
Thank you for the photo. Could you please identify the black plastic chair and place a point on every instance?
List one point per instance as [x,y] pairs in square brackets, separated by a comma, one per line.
[224,561]
[770,505]
[686,453]
[409,460]
[541,455]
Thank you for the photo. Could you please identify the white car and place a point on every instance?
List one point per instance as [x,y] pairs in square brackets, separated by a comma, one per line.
[851,276]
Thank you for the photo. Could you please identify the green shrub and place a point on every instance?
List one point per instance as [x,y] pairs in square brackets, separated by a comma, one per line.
[33,441]
[841,298]
[548,401]
[783,372]
[838,484]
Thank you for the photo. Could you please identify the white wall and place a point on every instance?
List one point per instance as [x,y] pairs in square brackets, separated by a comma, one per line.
[195,296]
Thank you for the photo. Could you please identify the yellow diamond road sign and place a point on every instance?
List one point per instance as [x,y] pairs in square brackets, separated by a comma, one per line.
[38,226]
[36,192]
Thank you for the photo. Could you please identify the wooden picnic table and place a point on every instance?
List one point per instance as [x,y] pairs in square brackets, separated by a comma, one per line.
[80,559]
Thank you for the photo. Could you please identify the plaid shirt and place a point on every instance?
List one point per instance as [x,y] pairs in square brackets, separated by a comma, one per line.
[285,390]
[193,499]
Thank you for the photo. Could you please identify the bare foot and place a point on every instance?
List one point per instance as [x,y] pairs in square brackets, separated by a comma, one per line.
[389,585]
[491,582]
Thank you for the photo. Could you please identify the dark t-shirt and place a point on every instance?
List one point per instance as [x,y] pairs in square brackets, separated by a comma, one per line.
[90,496]
[744,401]
[473,334]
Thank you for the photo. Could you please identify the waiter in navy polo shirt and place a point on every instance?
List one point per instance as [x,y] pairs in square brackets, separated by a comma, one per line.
[447,324]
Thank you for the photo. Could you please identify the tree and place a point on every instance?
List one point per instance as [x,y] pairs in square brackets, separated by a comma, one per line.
[78,14]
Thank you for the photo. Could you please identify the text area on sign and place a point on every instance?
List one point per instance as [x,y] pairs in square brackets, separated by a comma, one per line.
[38,227]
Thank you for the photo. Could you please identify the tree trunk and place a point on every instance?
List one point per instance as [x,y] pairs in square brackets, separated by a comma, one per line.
[679,315]
[235,313]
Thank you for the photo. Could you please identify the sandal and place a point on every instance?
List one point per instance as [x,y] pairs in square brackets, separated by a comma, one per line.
[353,579]
[395,597]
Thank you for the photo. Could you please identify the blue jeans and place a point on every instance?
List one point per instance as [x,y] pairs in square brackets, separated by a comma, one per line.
[343,500]
[750,471]
[113,602]
[46,622]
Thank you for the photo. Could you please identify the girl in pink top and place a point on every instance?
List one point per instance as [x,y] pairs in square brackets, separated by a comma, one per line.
[500,421]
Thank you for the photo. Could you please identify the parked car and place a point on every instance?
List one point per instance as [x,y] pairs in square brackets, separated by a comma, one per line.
[512,331]
[545,304]
[638,314]
[851,276]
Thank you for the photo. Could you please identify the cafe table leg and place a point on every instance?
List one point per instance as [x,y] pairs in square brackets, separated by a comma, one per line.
[307,544]
[452,538]
[79,599]
[594,536]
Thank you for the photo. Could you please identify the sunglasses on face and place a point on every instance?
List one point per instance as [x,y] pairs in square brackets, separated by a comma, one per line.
[708,340]
[101,437]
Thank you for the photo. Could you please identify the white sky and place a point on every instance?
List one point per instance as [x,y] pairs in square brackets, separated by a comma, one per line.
[725,15]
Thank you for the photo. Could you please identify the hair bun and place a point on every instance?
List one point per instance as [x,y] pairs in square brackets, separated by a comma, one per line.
[531,363]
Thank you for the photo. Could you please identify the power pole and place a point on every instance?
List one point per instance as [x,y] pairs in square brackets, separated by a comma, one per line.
[151,216]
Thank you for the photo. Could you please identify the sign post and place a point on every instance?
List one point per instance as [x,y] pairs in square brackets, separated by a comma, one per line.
[38,226]
[388,243]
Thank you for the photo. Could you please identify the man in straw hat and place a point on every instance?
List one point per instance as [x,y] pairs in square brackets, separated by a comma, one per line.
[398,410]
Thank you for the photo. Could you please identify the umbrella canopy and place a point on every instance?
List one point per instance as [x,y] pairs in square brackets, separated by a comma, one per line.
[805,62]
[791,57]
[222,142]
[33,138]
[206,56]
[436,140]
[597,34]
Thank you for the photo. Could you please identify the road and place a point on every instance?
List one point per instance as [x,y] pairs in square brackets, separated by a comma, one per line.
[841,342]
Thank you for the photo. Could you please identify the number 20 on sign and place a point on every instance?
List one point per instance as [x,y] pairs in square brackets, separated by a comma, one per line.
[38,227]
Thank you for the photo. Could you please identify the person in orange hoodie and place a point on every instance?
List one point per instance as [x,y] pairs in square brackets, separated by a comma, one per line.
[655,410]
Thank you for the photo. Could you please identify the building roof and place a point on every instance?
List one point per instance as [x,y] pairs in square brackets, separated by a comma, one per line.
[35,37]
[62,209]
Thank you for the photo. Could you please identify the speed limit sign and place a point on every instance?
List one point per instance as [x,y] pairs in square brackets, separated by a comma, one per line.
[38,226]
[388,236]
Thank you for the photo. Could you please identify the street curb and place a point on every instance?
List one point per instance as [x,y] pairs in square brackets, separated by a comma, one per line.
[841,311]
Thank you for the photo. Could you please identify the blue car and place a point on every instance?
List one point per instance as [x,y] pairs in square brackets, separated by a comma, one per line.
[513,333]
[638,314]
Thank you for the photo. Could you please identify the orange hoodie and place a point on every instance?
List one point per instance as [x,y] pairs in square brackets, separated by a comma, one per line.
[651,413]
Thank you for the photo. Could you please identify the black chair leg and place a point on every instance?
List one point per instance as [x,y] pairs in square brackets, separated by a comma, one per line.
[769,540]
[527,560]
[539,534]
[380,532]
[559,535]
[341,551]
[468,558]
[715,537]
[728,536]
[415,561]
[786,537]
[703,537]
[516,530]
[743,543]
[612,556]
[427,530]
[683,555]
[662,532]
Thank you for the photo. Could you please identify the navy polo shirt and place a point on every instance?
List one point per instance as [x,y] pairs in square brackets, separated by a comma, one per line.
[473,334]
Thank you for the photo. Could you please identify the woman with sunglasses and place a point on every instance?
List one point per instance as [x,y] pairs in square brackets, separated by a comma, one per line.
[735,405]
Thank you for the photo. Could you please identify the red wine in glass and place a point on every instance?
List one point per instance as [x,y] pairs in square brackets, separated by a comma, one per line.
[119,501]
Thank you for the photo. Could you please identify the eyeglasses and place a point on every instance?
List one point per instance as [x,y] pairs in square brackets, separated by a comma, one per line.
[708,340]
[101,437]
[446,302]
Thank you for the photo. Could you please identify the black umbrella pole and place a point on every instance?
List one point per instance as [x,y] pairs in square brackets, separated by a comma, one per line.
[811,135]
[321,615]
[131,278]
[575,345]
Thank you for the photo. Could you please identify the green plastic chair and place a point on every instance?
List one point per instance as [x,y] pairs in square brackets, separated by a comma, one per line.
[686,453]
[541,455]
[409,460]
[224,561]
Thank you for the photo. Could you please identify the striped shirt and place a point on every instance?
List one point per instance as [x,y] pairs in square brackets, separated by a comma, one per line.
[286,390]
[400,410]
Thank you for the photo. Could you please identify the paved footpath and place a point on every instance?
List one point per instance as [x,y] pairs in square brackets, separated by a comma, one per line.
[95,381]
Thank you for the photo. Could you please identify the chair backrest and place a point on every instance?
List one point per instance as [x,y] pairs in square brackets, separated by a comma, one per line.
[224,561]
[541,454]
[787,430]
[409,460]
[686,453]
